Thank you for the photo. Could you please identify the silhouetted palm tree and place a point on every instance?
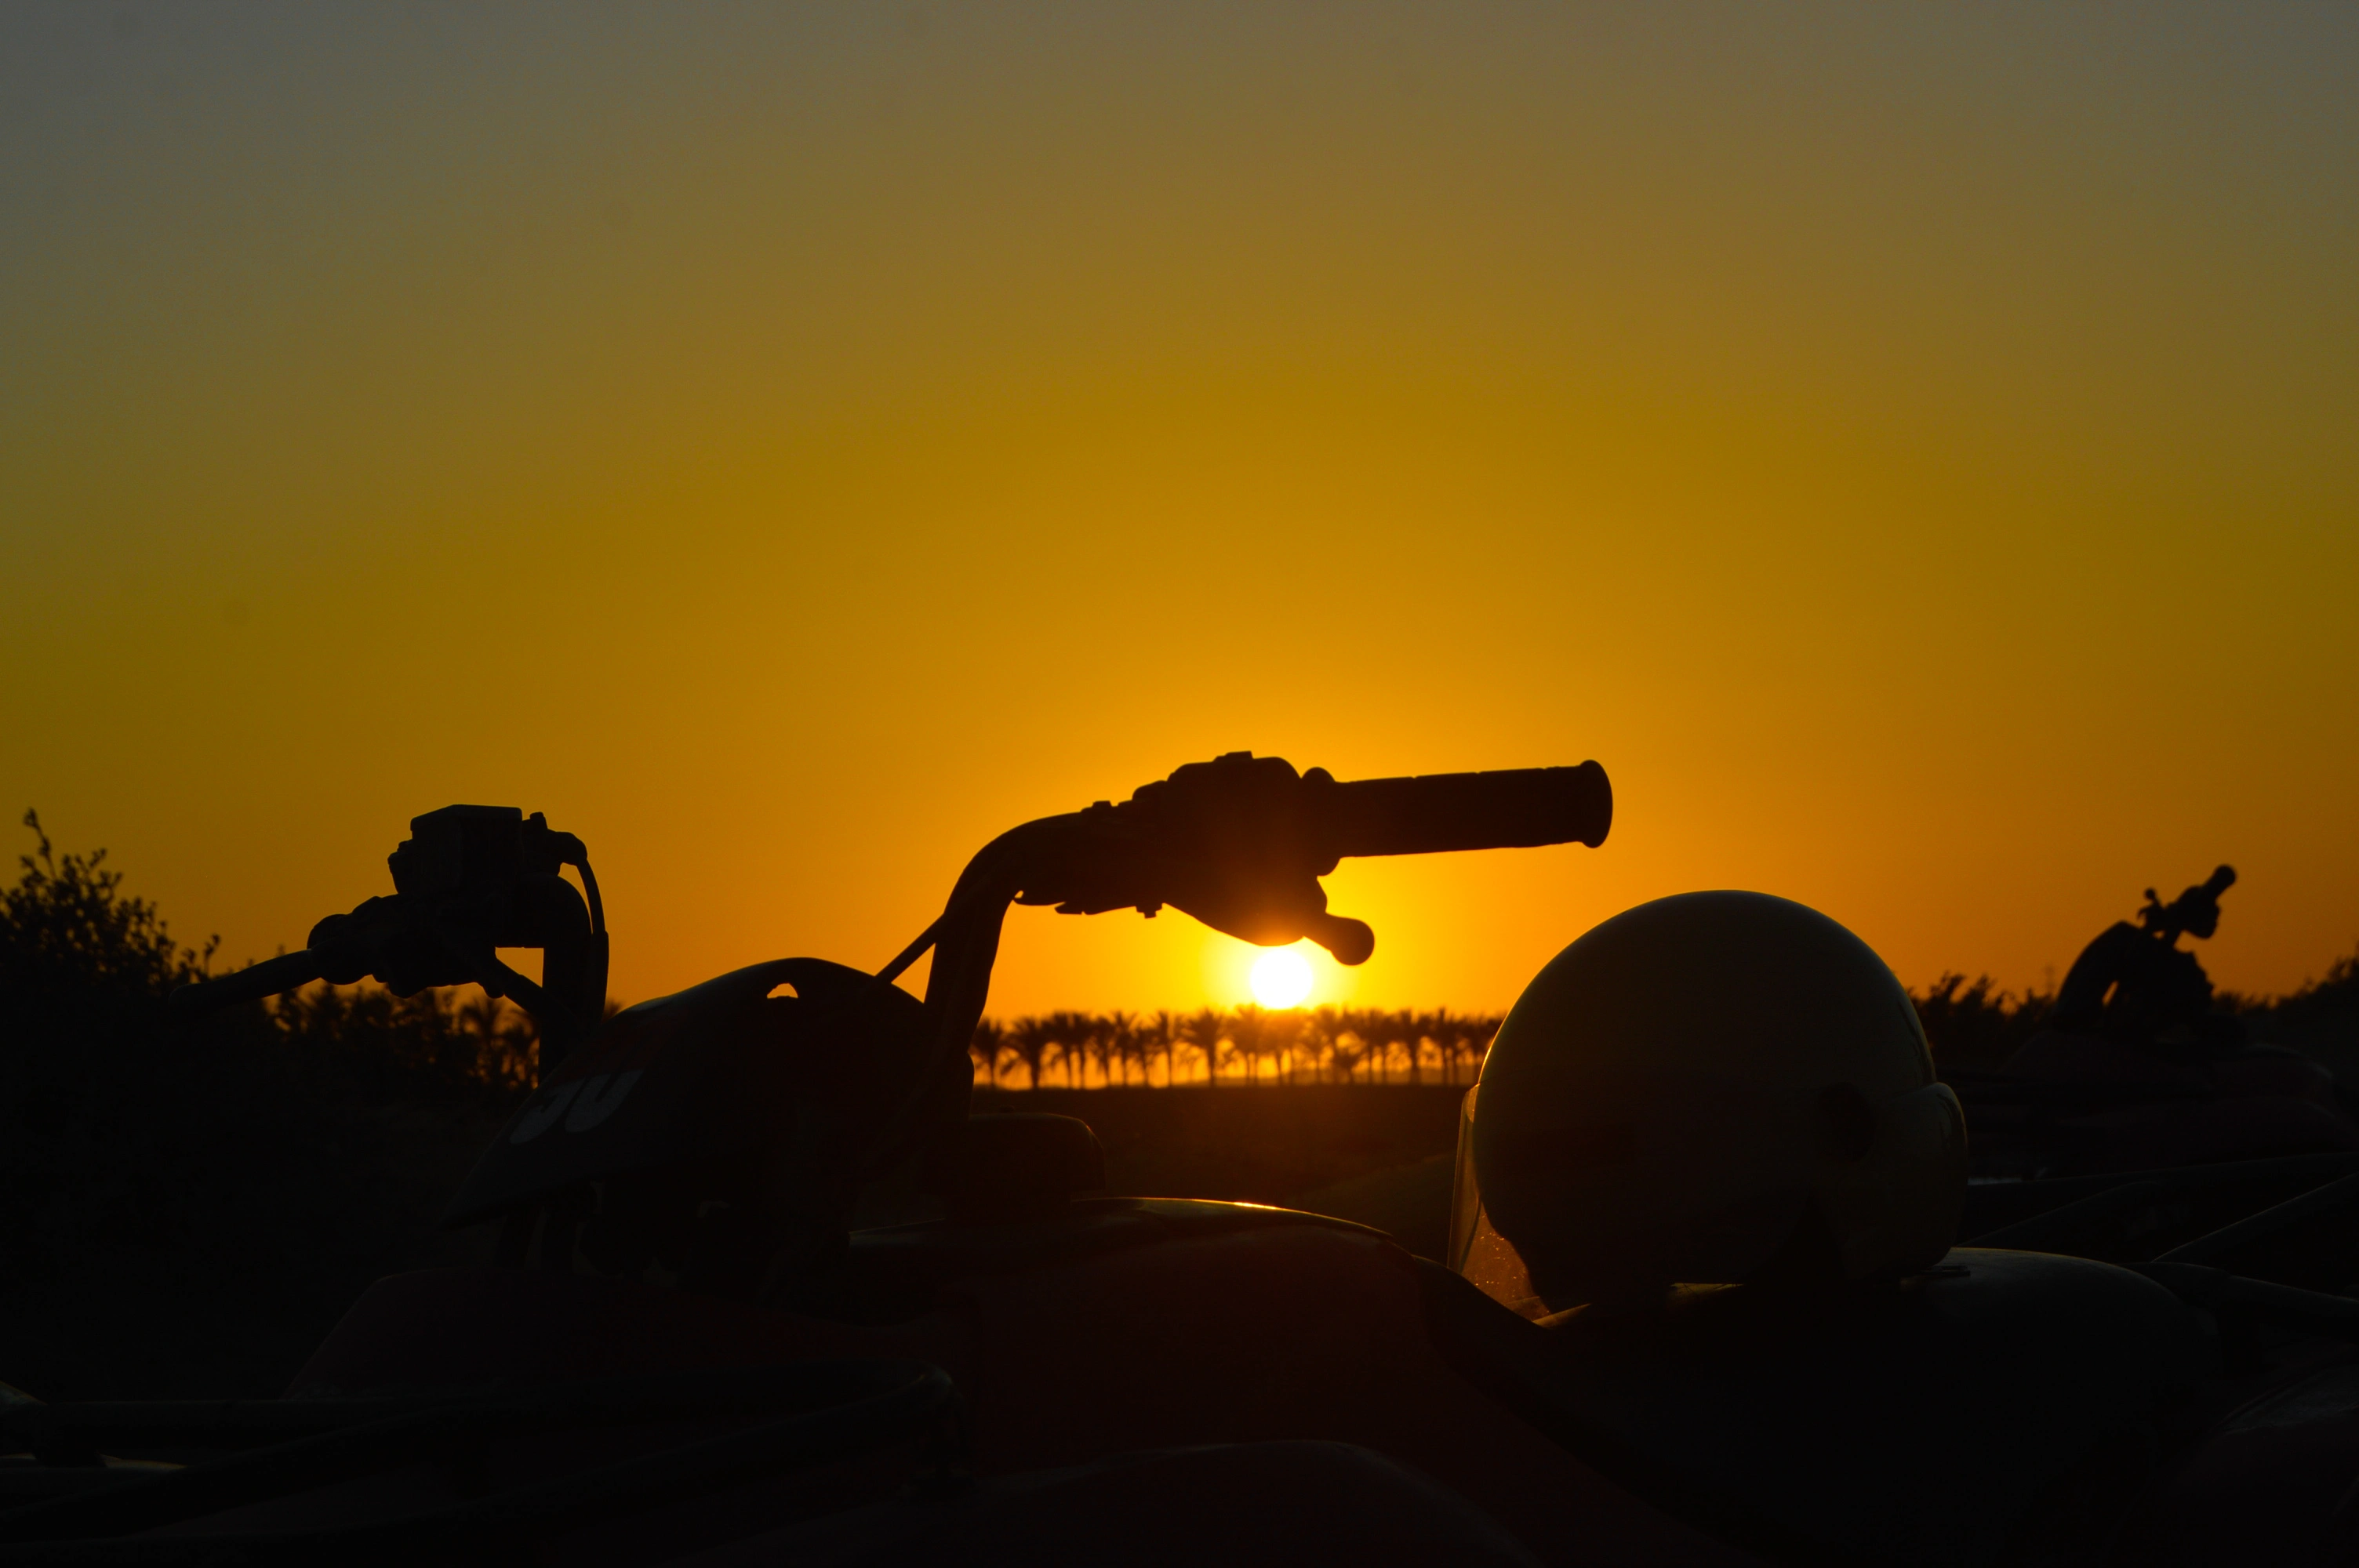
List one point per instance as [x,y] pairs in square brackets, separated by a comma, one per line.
[1205,1028]
[990,1040]
[1316,1040]
[1126,1043]
[1070,1032]
[1282,1038]
[1105,1044]
[1163,1032]
[1441,1027]
[1030,1038]
[1345,1048]
[1248,1035]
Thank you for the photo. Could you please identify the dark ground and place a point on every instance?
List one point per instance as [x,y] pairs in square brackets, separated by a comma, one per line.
[229,1298]
[1375,1153]
[1269,1144]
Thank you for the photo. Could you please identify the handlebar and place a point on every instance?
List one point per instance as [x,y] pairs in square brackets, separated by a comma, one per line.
[1514,808]
[284,973]
[469,880]
[1240,842]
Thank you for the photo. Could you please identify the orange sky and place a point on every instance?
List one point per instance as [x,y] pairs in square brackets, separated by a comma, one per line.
[1911,448]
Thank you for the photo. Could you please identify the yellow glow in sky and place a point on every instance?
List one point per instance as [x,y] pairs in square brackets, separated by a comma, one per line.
[1281,979]
[1909,447]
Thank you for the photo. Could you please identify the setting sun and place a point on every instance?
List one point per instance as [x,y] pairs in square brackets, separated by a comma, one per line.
[1281,977]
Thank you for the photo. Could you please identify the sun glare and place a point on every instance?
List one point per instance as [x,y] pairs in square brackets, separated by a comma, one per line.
[1280,977]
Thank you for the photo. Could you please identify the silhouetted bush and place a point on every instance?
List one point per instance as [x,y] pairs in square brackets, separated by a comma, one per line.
[1976,1026]
[2322,1017]
[185,1207]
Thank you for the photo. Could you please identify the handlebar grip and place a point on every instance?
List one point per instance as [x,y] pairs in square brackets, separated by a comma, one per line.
[270,977]
[1513,808]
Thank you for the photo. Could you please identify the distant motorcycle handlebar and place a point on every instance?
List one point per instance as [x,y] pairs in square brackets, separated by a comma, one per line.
[1513,808]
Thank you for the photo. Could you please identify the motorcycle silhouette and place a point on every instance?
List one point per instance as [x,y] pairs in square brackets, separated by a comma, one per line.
[697,1347]
[2135,1070]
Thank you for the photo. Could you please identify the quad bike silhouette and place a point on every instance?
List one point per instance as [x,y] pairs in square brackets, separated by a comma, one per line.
[695,1348]
[2135,1070]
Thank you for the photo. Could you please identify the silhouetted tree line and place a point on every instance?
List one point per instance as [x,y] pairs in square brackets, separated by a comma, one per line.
[2322,1017]
[1969,1024]
[1975,1024]
[1241,1044]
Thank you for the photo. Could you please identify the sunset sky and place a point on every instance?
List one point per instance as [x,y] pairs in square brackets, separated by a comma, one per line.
[1914,448]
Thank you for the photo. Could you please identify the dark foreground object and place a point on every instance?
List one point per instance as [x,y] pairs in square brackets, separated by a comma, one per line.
[1166,1381]
[690,1350]
[1068,1375]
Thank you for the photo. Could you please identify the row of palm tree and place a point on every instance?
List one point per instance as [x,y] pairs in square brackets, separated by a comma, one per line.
[1232,1045]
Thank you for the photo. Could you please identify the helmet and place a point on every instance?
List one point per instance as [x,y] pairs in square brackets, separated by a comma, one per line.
[1712,1088]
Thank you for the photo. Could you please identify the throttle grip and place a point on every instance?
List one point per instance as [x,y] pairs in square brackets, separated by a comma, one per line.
[254,983]
[1513,808]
